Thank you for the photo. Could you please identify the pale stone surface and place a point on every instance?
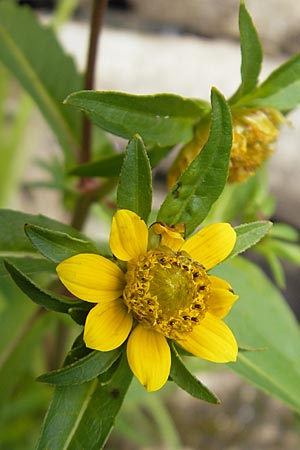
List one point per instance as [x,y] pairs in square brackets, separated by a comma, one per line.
[277,21]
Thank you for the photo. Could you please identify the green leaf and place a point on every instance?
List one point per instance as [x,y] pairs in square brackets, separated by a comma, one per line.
[78,314]
[111,165]
[262,318]
[248,235]
[16,363]
[27,265]
[275,267]
[135,183]
[48,76]
[13,239]
[251,55]
[184,379]
[285,232]
[42,297]
[56,245]
[83,370]
[285,250]
[82,416]
[280,90]
[162,119]
[203,181]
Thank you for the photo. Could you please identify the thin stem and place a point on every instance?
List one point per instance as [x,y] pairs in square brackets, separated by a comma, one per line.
[23,332]
[98,10]
[87,198]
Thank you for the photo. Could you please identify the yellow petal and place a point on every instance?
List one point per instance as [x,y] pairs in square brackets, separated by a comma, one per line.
[211,245]
[211,340]
[149,357]
[220,301]
[169,236]
[128,236]
[107,325]
[219,283]
[91,277]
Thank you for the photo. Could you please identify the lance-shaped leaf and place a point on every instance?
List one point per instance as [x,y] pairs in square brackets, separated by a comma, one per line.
[111,165]
[27,265]
[48,76]
[37,294]
[14,240]
[280,90]
[82,416]
[162,119]
[56,245]
[251,53]
[262,318]
[135,184]
[204,179]
[83,370]
[248,235]
[184,379]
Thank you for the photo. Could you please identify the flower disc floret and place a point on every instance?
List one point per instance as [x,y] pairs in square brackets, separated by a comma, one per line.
[167,291]
[163,291]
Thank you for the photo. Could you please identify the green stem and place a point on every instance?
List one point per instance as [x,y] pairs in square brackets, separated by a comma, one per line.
[23,332]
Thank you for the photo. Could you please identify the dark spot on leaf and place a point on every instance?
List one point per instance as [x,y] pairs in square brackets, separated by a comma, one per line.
[115,393]
[175,191]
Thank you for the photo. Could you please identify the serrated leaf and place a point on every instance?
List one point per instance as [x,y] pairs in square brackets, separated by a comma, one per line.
[280,90]
[203,181]
[162,119]
[56,245]
[184,379]
[135,183]
[251,52]
[13,238]
[48,76]
[42,297]
[262,318]
[248,235]
[111,166]
[83,370]
[82,416]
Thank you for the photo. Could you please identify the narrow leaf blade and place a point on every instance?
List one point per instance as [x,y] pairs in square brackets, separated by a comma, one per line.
[162,119]
[280,90]
[249,234]
[135,184]
[42,297]
[111,165]
[82,415]
[184,379]
[13,238]
[251,52]
[22,44]
[57,245]
[203,181]
[261,318]
[83,370]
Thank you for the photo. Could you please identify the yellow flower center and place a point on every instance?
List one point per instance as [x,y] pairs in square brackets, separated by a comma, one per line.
[167,291]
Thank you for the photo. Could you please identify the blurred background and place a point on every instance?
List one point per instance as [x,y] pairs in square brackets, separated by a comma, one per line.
[184,47]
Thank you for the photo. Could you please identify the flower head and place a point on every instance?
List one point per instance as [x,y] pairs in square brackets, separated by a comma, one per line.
[164,292]
[254,133]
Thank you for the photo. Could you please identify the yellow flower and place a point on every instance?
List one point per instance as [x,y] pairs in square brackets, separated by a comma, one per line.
[254,133]
[164,293]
